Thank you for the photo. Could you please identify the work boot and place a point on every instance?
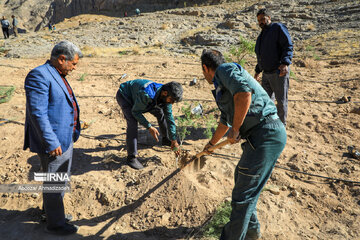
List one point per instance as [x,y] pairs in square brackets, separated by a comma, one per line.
[133,162]
[66,229]
[252,235]
[165,142]
[43,218]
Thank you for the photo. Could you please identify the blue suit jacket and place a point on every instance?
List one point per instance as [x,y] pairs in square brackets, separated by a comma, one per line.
[49,112]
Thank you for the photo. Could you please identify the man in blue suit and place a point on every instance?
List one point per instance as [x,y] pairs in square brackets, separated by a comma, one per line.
[52,125]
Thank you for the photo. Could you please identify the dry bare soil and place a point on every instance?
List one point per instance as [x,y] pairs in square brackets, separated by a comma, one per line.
[109,200]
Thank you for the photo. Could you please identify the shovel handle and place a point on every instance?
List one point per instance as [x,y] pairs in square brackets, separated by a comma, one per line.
[219,145]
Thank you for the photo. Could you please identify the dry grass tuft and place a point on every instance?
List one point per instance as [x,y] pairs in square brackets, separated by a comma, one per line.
[310,27]
[311,63]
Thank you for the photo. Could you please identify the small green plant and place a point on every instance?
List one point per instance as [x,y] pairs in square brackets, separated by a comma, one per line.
[122,53]
[210,126]
[292,75]
[316,57]
[82,77]
[188,120]
[184,122]
[238,53]
[309,48]
[6,92]
[214,227]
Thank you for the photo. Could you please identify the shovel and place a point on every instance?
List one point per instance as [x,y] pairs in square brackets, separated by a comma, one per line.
[196,160]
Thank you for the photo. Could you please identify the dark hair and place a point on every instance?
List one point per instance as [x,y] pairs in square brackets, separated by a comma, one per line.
[264,11]
[212,58]
[174,90]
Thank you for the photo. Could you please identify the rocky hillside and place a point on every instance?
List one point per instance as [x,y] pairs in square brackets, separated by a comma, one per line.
[37,14]
[186,30]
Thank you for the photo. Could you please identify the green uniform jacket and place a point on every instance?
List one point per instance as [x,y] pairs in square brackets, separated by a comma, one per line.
[143,95]
[231,78]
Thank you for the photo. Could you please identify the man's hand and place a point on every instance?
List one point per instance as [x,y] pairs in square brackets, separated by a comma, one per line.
[175,147]
[257,77]
[56,152]
[154,133]
[283,70]
[207,146]
[233,136]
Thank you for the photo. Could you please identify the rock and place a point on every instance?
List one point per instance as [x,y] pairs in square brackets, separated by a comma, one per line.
[294,193]
[165,218]
[102,198]
[344,170]
[247,25]
[226,25]
[35,195]
[293,166]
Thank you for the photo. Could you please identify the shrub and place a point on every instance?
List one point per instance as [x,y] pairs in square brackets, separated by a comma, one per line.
[238,53]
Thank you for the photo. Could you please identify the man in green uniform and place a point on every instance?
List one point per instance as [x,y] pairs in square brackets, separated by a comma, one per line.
[250,114]
[139,96]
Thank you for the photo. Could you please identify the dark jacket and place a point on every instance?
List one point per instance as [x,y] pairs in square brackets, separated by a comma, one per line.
[273,48]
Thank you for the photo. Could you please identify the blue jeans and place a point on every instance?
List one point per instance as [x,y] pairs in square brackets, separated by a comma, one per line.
[260,153]
[273,84]
[132,123]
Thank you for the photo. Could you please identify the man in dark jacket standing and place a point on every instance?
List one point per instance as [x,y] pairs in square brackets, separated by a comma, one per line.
[274,51]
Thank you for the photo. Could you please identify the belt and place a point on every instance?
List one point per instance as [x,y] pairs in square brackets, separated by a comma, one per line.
[272,71]
[269,119]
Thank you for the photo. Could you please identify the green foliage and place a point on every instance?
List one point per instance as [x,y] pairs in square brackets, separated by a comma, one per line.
[122,53]
[238,53]
[210,126]
[188,120]
[292,75]
[6,93]
[214,227]
[184,122]
[309,48]
[82,77]
[316,57]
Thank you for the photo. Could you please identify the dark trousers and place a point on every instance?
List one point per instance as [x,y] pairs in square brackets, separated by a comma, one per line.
[6,32]
[53,202]
[132,124]
[279,86]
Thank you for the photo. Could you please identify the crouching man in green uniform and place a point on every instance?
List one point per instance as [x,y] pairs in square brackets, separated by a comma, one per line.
[251,115]
[139,96]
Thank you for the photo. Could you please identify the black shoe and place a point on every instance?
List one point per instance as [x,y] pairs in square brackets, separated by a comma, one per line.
[68,217]
[133,162]
[66,229]
[165,142]
[250,235]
